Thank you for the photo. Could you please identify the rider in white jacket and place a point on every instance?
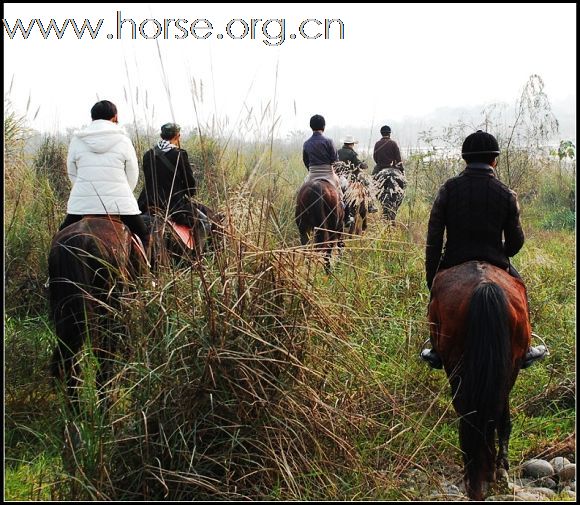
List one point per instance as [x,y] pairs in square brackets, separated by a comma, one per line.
[102,166]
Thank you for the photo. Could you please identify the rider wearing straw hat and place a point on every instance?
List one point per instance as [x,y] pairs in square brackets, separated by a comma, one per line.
[347,154]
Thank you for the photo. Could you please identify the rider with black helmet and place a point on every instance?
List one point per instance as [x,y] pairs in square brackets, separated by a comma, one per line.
[481,218]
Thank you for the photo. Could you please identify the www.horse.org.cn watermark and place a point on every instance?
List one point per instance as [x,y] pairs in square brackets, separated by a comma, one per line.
[272,32]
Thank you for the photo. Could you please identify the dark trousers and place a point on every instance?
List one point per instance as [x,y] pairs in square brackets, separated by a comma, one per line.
[135,224]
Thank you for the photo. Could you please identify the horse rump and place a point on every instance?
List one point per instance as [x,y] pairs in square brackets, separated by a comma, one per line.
[392,183]
[318,207]
[88,264]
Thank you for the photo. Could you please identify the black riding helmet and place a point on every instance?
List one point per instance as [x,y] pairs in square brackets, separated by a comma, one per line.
[385,130]
[317,122]
[480,142]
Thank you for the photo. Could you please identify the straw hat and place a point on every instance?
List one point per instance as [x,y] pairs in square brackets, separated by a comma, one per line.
[349,139]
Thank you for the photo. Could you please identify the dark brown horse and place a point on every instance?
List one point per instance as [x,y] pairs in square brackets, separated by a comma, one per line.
[175,242]
[89,265]
[318,209]
[480,329]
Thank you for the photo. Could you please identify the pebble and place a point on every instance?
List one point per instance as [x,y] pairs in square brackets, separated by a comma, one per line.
[452,489]
[521,482]
[537,468]
[549,493]
[530,495]
[559,462]
[448,491]
[547,482]
[540,480]
[567,493]
[567,473]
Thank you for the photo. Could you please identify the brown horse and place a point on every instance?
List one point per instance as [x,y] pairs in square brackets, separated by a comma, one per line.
[172,241]
[318,208]
[480,329]
[89,265]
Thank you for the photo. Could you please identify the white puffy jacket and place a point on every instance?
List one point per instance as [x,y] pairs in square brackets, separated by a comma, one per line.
[102,166]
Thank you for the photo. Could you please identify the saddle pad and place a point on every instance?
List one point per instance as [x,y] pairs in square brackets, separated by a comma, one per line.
[184,233]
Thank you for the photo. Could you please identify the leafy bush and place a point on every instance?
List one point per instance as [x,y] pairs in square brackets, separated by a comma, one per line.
[560,219]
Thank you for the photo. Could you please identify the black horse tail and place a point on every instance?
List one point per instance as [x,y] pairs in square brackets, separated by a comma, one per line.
[320,214]
[484,378]
[70,275]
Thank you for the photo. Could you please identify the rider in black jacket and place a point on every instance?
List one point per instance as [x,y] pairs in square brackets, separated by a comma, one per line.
[169,182]
[481,218]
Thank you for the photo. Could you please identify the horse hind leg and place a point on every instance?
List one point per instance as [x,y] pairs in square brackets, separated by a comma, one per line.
[109,335]
[64,367]
[473,473]
[504,428]
[491,449]
[321,240]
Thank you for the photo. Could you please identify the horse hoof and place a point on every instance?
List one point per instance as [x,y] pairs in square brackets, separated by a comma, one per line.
[501,485]
[501,475]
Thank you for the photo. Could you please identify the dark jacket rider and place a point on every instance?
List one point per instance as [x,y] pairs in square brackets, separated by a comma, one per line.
[481,218]
[169,182]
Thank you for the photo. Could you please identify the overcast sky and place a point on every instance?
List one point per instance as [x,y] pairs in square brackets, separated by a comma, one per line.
[394,61]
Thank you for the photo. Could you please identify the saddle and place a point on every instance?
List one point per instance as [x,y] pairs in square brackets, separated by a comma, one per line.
[184,233]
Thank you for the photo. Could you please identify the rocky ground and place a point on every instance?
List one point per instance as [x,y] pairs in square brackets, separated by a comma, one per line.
[536,480]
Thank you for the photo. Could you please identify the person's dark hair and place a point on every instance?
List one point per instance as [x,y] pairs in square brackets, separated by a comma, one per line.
[103,110]
[385,130]
[317,122]
[169,130]
[480,147]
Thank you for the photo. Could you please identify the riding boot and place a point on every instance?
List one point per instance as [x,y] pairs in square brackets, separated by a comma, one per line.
[534,353]
[348,218]
[431,357]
